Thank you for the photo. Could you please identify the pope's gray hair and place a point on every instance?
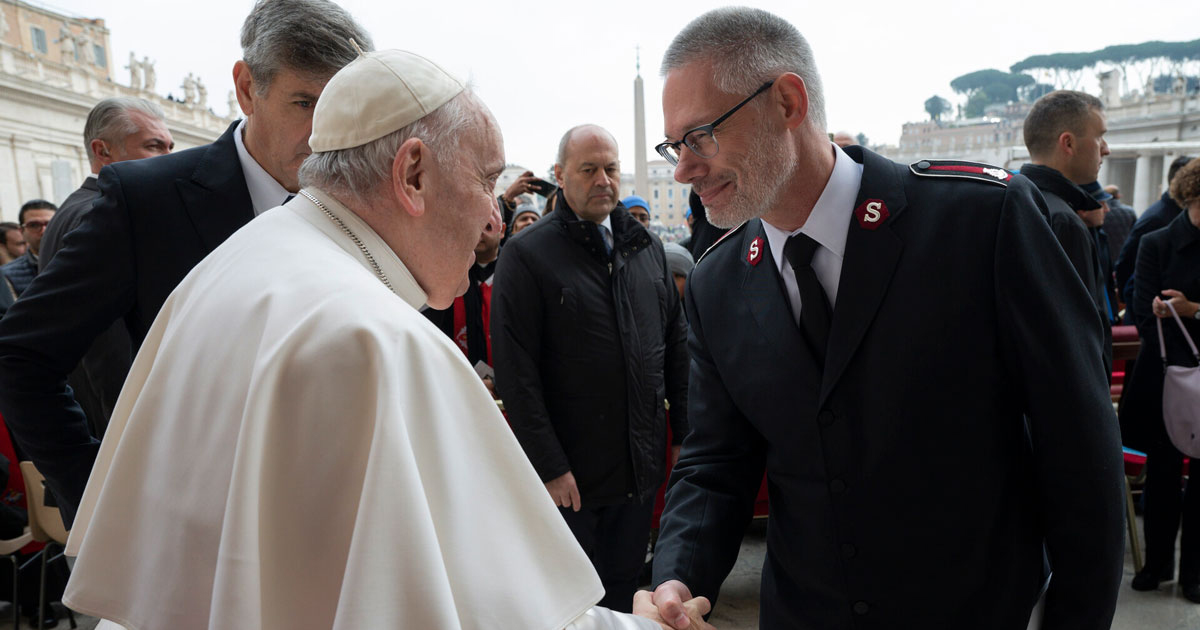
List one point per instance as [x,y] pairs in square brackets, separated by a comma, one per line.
[748,47]
[357,172]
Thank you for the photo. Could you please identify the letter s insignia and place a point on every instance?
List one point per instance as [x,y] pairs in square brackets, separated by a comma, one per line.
[871,214]
[755,253]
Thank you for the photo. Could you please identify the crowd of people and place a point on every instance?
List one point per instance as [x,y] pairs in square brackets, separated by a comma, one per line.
[262,376]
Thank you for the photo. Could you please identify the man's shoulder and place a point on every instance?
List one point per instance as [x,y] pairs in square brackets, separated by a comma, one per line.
[172,165]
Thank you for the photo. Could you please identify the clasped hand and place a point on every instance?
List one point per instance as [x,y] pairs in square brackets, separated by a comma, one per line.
[672,606]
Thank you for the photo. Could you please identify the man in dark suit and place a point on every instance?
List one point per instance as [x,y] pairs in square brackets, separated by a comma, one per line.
[1156,217]
[117,129]
[155,219]
[905,351]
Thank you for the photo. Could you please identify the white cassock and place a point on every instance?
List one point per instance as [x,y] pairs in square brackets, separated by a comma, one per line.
[296,446]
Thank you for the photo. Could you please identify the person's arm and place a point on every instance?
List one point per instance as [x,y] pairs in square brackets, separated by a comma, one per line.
[1052,350]
[88,286]
[711,497]
[516,324]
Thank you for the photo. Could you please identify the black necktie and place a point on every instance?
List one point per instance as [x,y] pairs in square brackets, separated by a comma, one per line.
[814,306]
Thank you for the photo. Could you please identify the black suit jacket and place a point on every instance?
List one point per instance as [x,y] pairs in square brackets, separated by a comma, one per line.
[154,221]
[1168,258]
[907,490]
[97,380]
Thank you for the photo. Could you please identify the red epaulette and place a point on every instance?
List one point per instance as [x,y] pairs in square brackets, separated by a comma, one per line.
[961,170]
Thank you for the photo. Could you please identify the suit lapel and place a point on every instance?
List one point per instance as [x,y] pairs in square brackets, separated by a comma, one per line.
[867,267]
[765,297]
[215,196]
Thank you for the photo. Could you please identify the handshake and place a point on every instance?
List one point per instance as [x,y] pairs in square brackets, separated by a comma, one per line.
[672,606]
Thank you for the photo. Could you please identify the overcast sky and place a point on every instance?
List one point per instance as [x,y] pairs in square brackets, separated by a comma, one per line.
[543,67]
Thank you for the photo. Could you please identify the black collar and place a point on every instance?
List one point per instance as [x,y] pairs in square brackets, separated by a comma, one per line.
[1051,181]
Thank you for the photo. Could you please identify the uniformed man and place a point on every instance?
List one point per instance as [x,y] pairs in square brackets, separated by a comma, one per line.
[873,336]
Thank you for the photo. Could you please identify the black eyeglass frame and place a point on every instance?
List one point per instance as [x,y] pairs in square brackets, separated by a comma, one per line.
[665,148]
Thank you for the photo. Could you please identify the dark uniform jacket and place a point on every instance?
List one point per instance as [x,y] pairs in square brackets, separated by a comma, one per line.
[586,348]
[155,219]
[1156,217]
[97,380]
[1063,199]
[1168,258]
[906,488]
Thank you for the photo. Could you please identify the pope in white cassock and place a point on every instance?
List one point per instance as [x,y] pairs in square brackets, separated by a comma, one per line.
[296,446]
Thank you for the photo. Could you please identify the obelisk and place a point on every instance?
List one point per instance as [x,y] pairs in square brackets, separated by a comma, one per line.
[641,178]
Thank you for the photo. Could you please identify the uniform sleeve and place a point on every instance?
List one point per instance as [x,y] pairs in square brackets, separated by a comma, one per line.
[516,328]
[88,286]
[711,496]
[1051,346]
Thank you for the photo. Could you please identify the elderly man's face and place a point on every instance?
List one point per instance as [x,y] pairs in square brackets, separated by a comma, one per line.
[591,176]
[743,179]
[462,218]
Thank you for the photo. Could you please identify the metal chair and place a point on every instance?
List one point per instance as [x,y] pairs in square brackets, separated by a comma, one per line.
[10,549]
[46,526]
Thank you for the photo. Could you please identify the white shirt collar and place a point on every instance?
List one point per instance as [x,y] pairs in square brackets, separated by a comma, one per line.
[265,192]
[830,218]
[403,282]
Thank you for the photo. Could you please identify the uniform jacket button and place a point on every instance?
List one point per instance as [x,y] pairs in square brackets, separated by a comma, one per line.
[837,485]
[825,418]
[861,608]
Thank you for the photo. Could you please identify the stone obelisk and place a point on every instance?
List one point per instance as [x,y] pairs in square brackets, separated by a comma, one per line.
[640,176]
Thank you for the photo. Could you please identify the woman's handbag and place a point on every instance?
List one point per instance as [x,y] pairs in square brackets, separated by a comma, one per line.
[1181,395]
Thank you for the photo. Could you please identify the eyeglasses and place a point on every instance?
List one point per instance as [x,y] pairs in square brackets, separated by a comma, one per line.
[35,225]
[701,140]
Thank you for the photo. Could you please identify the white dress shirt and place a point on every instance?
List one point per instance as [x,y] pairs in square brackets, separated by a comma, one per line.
[265,192]
[827,225]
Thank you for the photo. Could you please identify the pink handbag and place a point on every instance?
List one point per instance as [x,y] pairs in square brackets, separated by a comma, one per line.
[1181,395]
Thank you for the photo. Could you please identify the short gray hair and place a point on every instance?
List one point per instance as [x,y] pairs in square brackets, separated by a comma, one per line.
[311,37]
[110,119]
[1054,113]
[748,47]
[356,172]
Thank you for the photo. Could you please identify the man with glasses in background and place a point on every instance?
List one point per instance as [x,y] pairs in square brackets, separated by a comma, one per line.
[34,217]
[906,352]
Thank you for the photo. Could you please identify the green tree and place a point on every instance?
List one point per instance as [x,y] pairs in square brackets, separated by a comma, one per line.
[936,106]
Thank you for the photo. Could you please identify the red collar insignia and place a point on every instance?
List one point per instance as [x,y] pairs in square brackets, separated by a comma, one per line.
[755,253]
[871,214]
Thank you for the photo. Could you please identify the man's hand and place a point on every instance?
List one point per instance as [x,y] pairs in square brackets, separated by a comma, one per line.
[564,491]
[674,457]
[490,385]
[690,611]
[519,187]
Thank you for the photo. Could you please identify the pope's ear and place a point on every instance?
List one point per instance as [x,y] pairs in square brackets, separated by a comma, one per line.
[410,176]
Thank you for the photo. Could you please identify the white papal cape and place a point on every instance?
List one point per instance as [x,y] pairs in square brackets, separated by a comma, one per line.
[296,446]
